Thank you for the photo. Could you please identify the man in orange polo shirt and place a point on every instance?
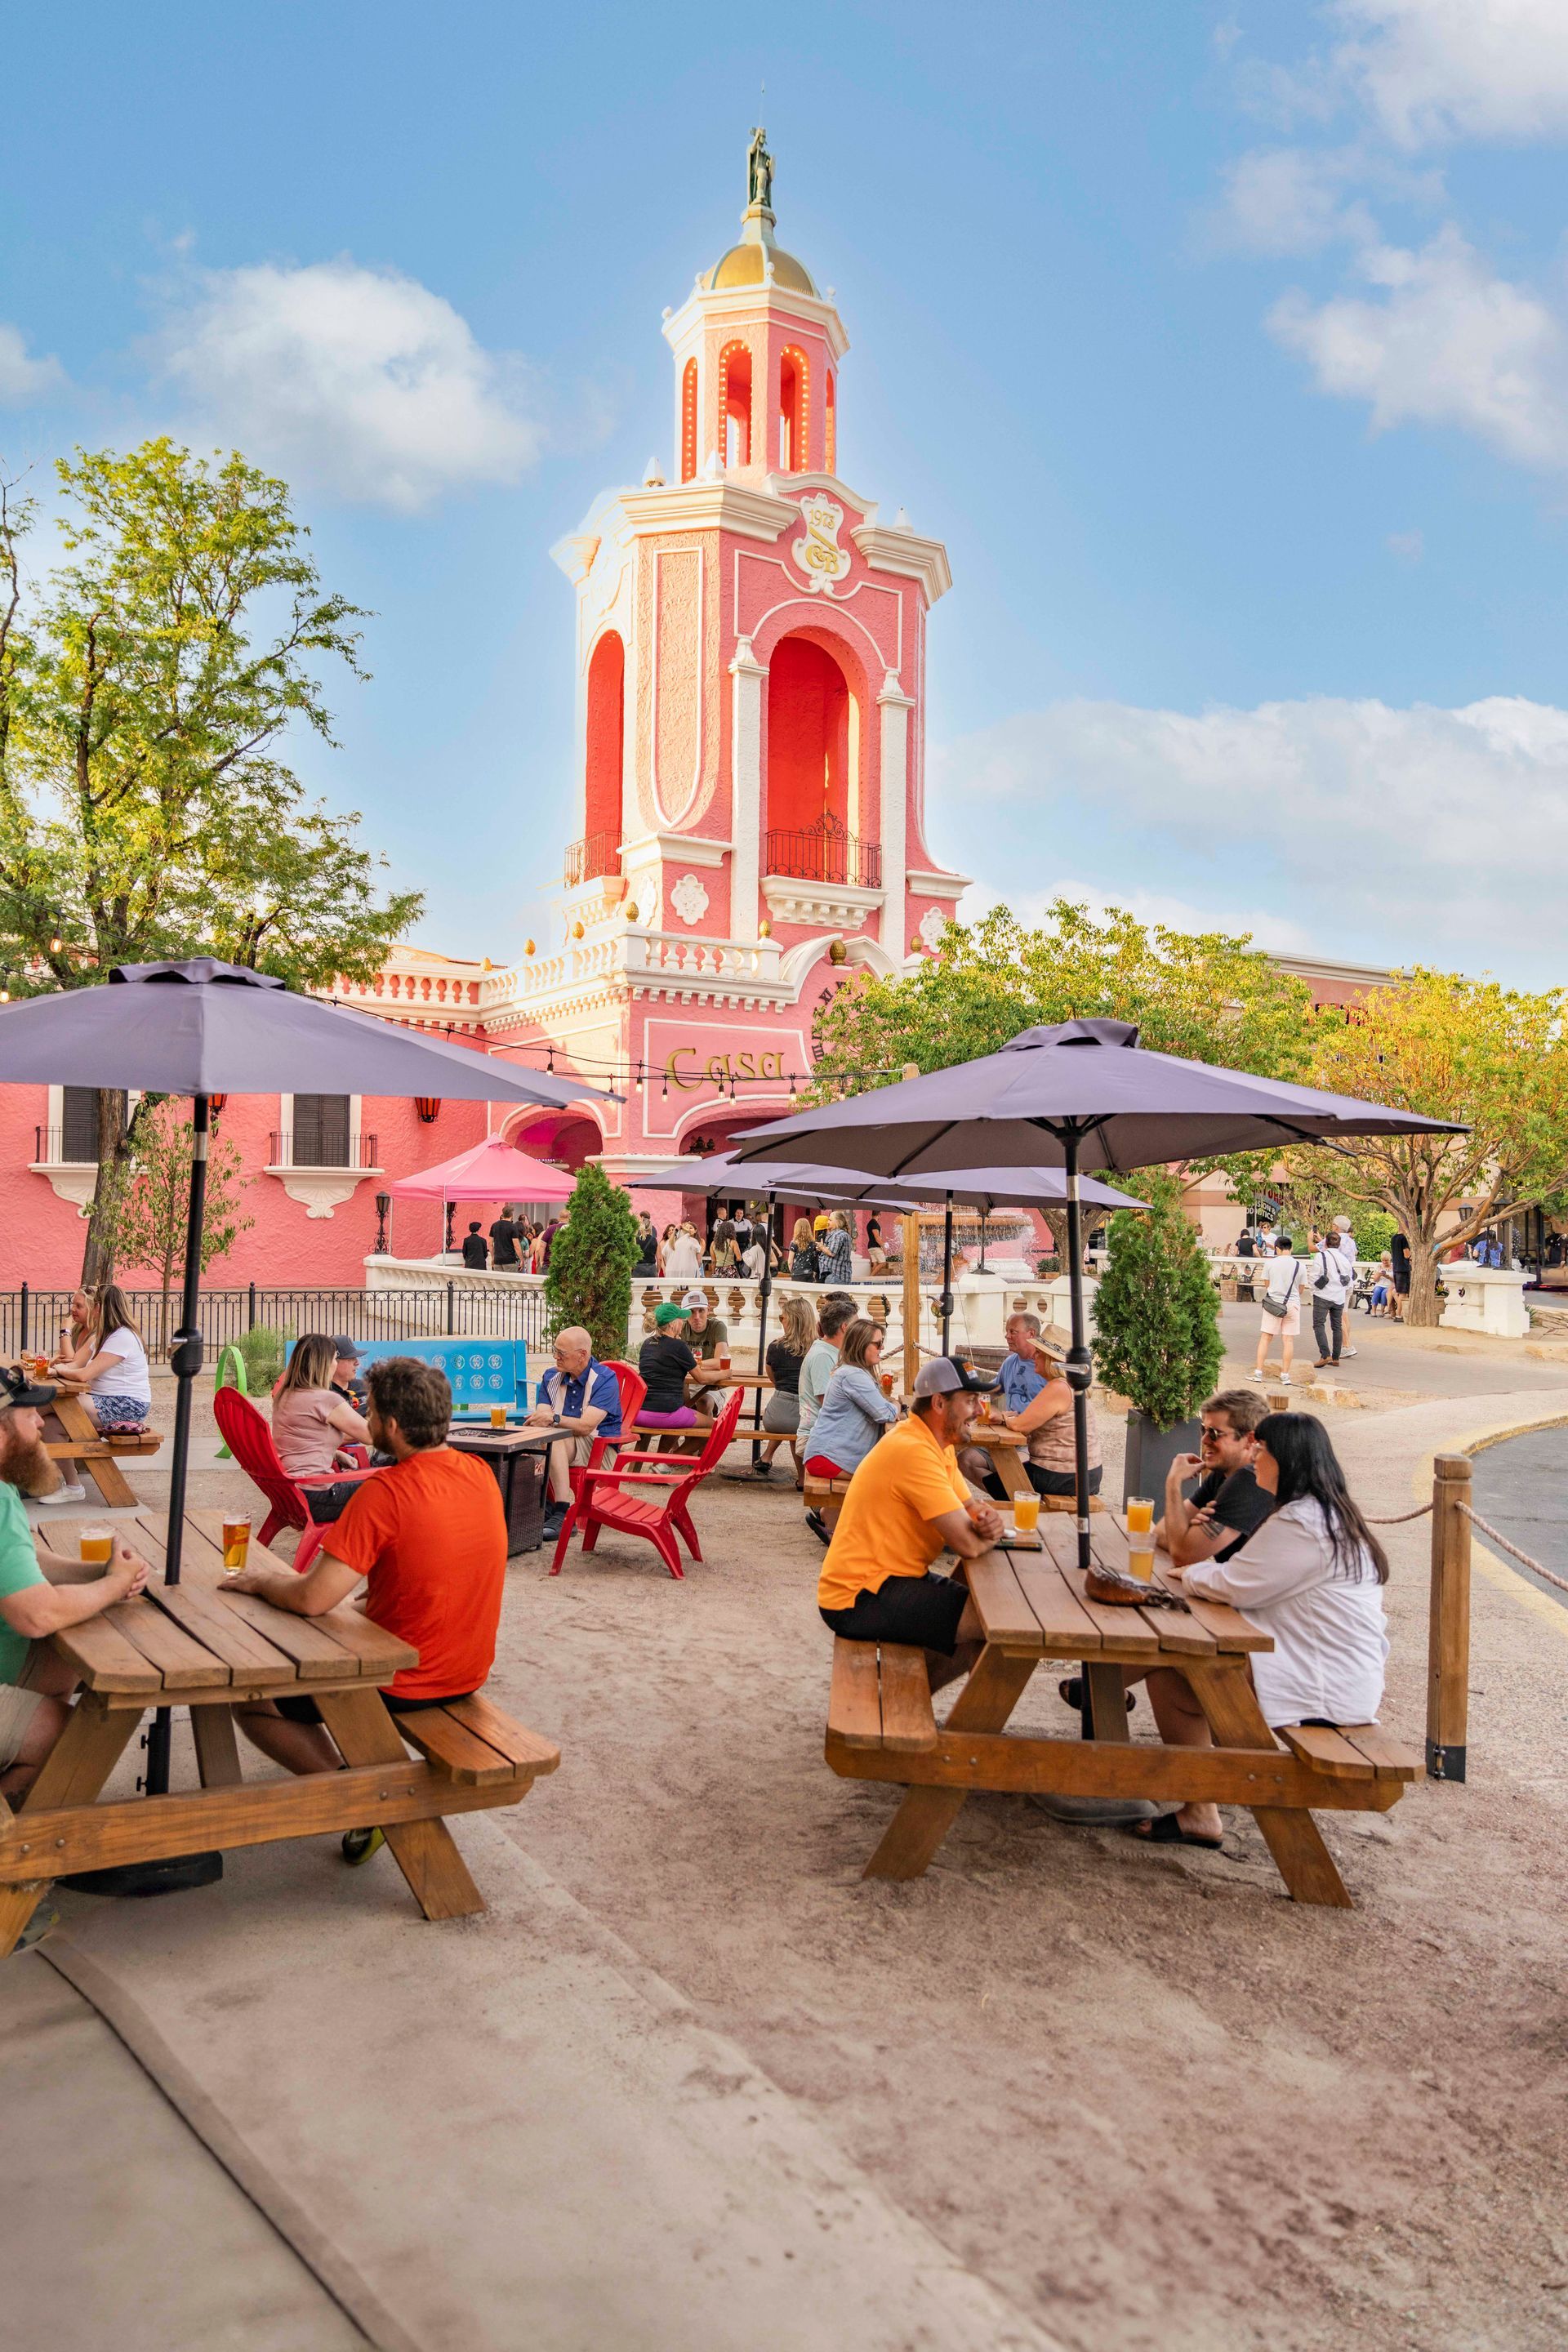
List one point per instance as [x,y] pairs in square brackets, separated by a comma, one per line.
[428,1535]
[907,1502]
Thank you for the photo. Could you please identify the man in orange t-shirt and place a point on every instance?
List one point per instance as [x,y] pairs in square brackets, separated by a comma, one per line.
[428,1535]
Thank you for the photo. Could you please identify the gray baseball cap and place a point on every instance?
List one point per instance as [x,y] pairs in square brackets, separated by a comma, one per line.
[946,1376]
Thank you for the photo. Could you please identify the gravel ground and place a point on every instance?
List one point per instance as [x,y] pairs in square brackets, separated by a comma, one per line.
[1154,2101]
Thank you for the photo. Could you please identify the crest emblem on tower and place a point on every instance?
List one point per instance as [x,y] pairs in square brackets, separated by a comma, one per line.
[818,553]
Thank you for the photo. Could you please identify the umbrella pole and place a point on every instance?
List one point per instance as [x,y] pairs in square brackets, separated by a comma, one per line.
[947,1276]
[185,1357]
[186,1870]
[1079,1368]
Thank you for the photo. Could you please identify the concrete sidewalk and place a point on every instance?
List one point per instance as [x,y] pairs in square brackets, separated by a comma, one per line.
[483,2134]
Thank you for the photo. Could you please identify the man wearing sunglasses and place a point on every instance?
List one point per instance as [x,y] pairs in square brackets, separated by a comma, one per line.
[1227,1505]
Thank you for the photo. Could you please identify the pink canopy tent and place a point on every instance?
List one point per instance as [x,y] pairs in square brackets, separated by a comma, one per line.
[492,1170]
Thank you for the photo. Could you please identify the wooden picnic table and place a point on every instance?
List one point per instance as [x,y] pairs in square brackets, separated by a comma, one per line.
[1033,1607]
[70,1434]
[197,1646]
[1007,1450]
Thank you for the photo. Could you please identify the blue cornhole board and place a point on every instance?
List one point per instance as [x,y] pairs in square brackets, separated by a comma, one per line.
[481,1372]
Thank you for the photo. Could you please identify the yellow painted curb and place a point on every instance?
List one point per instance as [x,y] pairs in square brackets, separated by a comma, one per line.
[1496,1570]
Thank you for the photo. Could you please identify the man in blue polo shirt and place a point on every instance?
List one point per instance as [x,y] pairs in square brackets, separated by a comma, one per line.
[584,1396]
[1020,1383]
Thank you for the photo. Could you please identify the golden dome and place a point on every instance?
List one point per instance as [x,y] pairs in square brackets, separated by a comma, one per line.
[746,265]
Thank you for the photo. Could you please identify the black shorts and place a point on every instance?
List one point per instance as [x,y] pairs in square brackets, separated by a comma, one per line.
[1061,1482]
[305,1710]
[923,1610]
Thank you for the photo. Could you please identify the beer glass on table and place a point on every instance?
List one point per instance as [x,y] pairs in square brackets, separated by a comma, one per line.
[1140,1537]
[97,1547]
[498,1416]
[1026,1514]
[236,1544]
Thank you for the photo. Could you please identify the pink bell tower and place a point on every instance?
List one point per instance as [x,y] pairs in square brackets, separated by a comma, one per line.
[750,732]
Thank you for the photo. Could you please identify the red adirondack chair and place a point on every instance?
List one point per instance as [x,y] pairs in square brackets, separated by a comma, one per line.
[249,1440]
[658,1510]
[633,1389]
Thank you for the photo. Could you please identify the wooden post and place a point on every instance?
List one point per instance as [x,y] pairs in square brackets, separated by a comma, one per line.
[911,1298]
[1448,1638]
[1278,1401]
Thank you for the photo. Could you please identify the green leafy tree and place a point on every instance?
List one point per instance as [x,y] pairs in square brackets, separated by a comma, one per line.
[589,1277]
[1454,1048]
[1205,996]
[1157,1339]
[153,1207]
[147,689]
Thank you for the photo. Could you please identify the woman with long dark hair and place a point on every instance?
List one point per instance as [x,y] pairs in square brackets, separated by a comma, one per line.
[1312,1576]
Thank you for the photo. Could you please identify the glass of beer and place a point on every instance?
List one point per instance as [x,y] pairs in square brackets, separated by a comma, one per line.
[723,1359]
[97,1547]
[498,1416]
[236,1543]
[887,1384]
[1140,1513]
[1140,1561]
[1025,1513]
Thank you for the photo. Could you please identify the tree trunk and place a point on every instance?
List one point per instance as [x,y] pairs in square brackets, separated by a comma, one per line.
[113,1168]
[1422,1308]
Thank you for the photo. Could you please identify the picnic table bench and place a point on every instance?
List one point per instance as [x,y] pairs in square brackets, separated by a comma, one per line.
[196,1645]
[1033,1607]
[70,1434]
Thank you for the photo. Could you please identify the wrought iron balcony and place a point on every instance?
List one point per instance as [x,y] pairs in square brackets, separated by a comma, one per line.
[827,852]
[286,1148]
[595,855]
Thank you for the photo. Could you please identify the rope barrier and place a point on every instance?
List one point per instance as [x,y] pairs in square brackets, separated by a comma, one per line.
[1403,1518]
[1522,1557]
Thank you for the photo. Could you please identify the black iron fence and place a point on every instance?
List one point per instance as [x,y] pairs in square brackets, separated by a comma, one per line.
[823,853]
[33,1319]
[596,853]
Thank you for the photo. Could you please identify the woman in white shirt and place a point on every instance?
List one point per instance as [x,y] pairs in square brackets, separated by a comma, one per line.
[683,1259]
[114,1382]
[1312,1576]
[1283,1291]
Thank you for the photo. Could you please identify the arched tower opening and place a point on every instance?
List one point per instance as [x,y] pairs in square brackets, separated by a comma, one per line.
[811,740]
[688,422]
[793,412]
[735,405]
[601,847]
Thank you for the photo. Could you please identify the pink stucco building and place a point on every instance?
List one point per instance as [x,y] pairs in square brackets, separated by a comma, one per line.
[749,788]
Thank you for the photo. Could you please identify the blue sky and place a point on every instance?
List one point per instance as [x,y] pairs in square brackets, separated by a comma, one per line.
[1226,346]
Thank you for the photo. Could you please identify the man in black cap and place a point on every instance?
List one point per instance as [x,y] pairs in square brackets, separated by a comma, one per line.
[41,1592]
[346,1380]
[908,1502]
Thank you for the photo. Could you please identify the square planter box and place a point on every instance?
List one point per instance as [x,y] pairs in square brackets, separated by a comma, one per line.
[1151,1451]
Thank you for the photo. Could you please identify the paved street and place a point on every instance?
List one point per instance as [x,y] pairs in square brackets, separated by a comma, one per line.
[1424,1363]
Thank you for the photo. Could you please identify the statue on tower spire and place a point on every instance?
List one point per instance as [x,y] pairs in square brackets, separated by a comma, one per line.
[758,172]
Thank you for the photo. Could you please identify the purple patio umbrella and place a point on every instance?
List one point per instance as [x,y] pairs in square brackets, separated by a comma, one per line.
[985,1189]
[1077,1093]
[204,1028]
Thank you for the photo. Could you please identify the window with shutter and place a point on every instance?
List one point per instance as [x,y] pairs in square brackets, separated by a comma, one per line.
[320,1130]
[79,1123]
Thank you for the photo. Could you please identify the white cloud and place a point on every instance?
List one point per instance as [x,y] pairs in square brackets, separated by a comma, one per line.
[361,381]
[1446,343]
[1367,830]
[1431,70]
[23,381]
[1292,200]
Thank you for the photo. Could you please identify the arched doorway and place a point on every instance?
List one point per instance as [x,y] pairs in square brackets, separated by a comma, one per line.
[565,1138]
[809,719]
[605,754]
